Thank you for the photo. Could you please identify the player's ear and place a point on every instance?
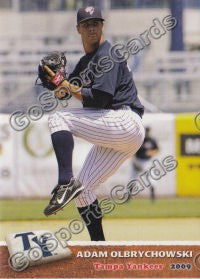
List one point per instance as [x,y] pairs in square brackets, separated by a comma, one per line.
[78,28]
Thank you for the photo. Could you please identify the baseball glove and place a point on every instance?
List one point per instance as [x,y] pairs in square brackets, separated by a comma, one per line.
[56,61]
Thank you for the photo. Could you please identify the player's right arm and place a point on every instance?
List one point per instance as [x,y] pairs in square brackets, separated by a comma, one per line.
[89,98]
[69,88]
[95,96]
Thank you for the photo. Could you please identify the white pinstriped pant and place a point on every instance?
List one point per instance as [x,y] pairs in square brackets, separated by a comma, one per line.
[116,135]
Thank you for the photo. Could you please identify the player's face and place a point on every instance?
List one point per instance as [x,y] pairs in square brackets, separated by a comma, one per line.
[91,31]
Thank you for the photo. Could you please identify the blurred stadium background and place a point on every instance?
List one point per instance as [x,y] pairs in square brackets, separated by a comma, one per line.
[167,75]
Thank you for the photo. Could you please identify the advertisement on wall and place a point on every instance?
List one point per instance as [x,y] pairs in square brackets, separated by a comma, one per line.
[36,163]
[188,155]
[8,174]
[157,171]
[35,167]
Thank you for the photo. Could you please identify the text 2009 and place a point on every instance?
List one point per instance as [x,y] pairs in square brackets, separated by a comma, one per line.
[177,266]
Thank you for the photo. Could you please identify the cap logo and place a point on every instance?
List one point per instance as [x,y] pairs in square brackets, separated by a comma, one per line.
[89,10]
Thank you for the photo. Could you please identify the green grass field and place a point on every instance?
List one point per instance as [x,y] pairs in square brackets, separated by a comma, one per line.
[138,219]
[135,208]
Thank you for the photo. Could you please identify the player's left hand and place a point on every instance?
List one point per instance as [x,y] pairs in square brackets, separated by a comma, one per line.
[51,70]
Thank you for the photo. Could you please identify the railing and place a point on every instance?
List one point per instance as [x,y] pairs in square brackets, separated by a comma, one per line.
[63,5]
[171,82]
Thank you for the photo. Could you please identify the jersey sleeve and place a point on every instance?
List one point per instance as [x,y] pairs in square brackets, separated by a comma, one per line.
[107,82]
[95,98]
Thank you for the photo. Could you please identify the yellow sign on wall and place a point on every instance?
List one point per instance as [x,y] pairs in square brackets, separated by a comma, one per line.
[188,155]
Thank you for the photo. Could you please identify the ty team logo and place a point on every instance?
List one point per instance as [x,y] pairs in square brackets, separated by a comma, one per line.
[90,10]
[41,242]
[32,248]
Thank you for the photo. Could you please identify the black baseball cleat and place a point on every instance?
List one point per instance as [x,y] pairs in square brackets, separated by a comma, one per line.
[62,195]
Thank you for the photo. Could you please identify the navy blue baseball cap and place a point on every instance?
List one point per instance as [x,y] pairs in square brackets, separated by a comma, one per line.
[87,13]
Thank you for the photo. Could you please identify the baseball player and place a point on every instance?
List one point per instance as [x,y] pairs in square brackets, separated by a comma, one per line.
[110,119]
